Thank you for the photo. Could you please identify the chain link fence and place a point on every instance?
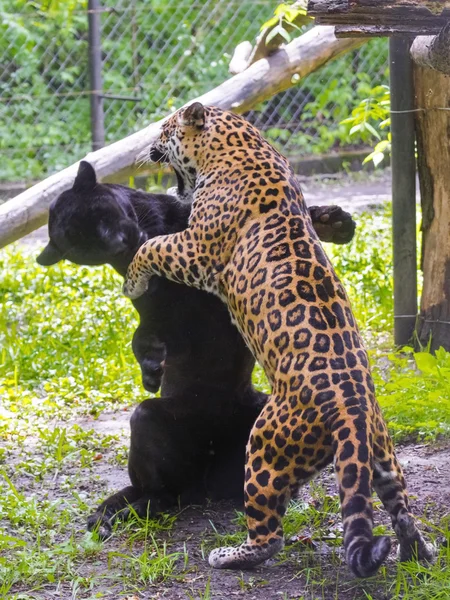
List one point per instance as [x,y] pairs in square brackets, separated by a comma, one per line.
[156,55]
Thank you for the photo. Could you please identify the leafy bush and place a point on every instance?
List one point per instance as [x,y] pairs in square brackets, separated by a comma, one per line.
[365,266]
[416,395]
[316,115]
[369,119]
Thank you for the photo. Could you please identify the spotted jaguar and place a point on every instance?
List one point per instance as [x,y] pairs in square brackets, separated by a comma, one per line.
[251,242]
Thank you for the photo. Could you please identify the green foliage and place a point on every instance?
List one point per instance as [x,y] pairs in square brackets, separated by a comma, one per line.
[286,17]
[336,86]
[415,394]
[154,565]
[365,267]
[29,41]
[86,358]
[368,121]
[166,56]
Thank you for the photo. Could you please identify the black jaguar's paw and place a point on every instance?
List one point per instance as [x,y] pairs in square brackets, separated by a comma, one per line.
[152,373]
[100,524]
[333,224]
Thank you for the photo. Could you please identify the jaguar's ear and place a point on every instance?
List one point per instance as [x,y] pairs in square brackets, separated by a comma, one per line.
[193,116]
[50,255]
[86,179]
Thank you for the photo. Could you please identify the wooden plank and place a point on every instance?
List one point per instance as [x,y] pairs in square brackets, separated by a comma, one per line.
[359,31]
[417,17]
[408,7]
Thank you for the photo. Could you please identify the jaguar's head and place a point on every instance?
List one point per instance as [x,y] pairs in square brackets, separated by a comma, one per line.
[181,144]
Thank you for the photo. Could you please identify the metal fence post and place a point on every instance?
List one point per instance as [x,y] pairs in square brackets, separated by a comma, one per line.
[403,190]
[95,75]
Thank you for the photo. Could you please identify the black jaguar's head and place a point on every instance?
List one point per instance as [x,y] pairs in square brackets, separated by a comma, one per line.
[91,224]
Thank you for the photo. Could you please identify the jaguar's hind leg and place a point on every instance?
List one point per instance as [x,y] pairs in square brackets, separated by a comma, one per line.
[364,552]
[390,486]
[277,463]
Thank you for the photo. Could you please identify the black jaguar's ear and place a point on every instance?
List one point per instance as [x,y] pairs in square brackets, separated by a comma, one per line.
[86,179]
[50,255]
[193,116]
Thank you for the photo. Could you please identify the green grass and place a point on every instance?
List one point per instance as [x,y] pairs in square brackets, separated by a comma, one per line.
[65,355]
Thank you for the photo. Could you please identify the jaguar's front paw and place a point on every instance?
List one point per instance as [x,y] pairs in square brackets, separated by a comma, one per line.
[100,524]
[333,224]
[134,287]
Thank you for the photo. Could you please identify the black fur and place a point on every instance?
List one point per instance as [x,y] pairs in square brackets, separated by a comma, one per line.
[190,443]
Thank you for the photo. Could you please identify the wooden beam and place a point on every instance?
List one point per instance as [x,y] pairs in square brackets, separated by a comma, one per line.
[428,8]
[262,80]
[359,31]
[416,17]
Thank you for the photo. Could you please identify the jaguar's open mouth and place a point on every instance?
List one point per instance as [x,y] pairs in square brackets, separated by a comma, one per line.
[180,183]
[156,155]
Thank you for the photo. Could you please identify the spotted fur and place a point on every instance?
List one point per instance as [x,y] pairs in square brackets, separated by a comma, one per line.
[250,241]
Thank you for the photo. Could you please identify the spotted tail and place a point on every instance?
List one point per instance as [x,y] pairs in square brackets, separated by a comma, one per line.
[364,553]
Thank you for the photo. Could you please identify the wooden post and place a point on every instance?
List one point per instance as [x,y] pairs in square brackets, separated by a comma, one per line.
[403,191]
[432,91]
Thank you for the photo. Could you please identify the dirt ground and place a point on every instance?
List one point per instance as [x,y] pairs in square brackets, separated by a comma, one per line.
[303,573]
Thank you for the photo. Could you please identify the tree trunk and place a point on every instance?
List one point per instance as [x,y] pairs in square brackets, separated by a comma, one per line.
[432,90]
[262,80]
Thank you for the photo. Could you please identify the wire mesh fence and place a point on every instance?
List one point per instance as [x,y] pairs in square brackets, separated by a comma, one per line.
[156,55]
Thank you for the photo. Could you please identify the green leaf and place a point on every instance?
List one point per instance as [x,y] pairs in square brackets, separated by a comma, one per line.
[373,131]
[377,158]
[355,128]
[270,23]
[426,362]
[279,30]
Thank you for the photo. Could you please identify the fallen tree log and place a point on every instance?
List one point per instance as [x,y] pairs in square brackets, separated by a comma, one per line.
[263,79]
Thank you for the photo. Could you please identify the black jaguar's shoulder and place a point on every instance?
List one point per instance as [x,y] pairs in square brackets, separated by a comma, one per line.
[157,214]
